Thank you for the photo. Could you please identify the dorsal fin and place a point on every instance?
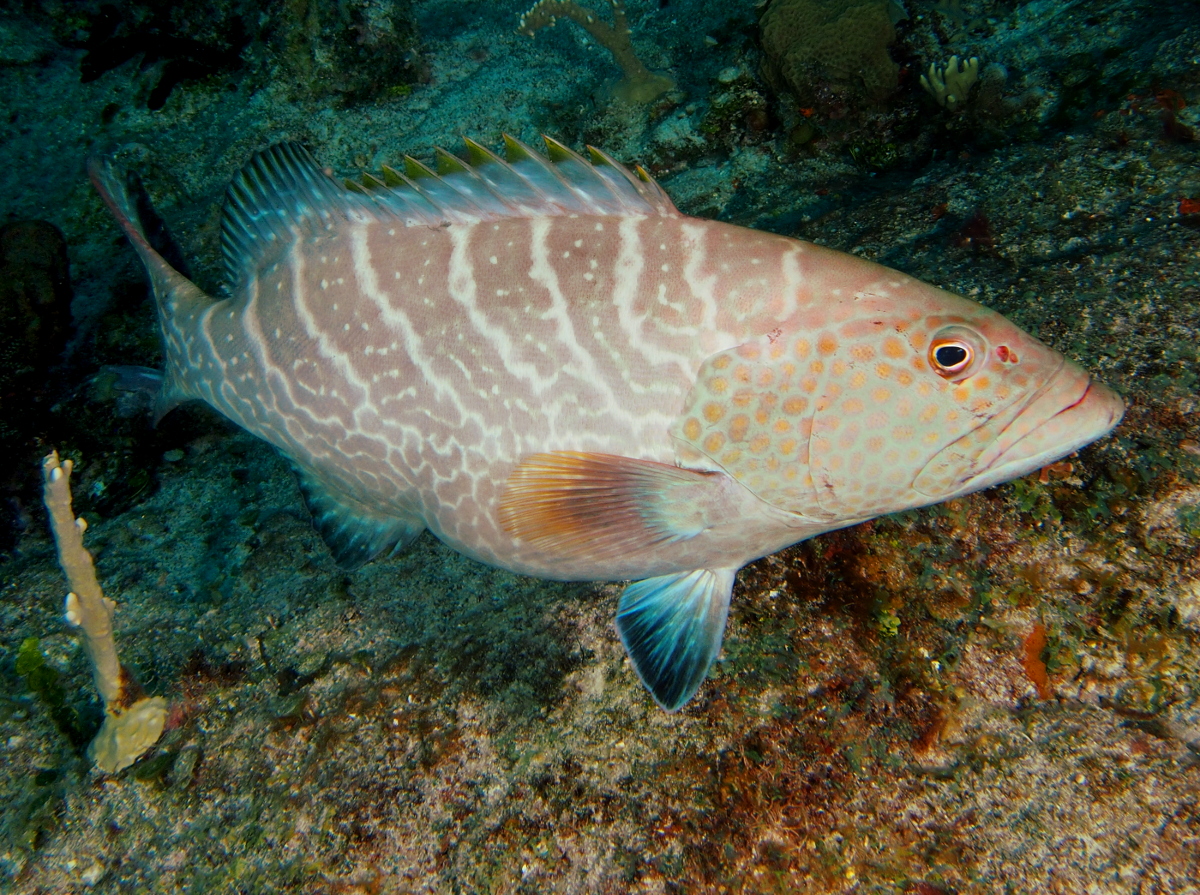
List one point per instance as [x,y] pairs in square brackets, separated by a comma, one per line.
[283,191]
[524,184]
[279,189]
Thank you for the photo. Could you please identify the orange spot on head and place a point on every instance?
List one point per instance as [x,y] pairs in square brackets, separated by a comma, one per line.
[742,373]
[852,405]
[714,412]
[766,378]
[795,404]
[760,443]
[904,377]
[738,427]
[782,426]
[743,398]
[748,351]
[714,442]
[761,416]
[981,383]
[893,348]
[691,428]
[809,384]
[801,348]
[721,362]
[718,385]
[880,395]
[787,446]
[827,343]
[862,352]
[883,371]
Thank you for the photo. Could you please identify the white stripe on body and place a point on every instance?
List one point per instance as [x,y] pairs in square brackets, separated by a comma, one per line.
[414,359]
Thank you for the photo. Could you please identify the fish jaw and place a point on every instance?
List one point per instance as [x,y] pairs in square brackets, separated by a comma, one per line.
[1072,412]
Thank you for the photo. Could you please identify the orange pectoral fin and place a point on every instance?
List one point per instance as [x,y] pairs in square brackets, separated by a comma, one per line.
[601,505]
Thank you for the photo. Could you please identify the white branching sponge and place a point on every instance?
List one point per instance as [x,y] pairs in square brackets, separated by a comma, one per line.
[950,85]
[133,721]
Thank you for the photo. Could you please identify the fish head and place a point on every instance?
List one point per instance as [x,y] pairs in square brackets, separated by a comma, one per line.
[888,399]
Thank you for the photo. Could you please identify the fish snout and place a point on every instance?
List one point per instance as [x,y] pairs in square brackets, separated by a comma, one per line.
[1072,411]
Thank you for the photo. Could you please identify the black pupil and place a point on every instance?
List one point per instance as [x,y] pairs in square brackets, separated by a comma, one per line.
[950,355]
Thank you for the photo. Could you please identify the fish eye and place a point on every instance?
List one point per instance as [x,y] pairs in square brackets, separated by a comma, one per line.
[955,353]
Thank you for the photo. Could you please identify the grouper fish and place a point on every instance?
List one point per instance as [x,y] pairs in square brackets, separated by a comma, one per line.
[554,371]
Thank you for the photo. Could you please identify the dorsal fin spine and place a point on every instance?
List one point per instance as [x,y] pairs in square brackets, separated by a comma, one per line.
[283,192]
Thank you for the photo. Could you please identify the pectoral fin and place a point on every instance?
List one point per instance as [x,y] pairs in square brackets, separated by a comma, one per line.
[607,507]
[672,628]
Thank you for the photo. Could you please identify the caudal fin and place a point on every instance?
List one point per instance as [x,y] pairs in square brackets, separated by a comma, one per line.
[177,298]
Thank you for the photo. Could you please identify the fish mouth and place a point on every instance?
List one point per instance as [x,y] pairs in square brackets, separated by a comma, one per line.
[1074,411]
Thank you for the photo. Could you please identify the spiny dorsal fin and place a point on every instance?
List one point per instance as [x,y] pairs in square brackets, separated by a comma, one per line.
[525,184]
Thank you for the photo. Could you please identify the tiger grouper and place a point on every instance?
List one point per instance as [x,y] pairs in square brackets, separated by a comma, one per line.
[554,371]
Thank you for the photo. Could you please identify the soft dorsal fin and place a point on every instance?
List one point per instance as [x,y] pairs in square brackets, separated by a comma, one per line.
[282,191]
[278,189]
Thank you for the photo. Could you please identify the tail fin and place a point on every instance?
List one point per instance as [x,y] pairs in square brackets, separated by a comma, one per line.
[177,298]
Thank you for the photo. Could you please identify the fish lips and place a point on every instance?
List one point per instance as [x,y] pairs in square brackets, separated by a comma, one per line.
[1072,412]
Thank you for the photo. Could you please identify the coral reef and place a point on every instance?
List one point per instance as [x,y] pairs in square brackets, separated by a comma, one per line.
[829,52]
[357,49]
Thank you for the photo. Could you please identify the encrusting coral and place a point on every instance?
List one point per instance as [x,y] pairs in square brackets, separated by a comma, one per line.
[640,85]
[831,51]
[133,722]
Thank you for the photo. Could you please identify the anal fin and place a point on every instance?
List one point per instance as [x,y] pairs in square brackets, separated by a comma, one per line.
[354,533]
[672,627]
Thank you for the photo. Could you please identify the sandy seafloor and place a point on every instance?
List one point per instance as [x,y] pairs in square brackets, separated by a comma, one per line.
[427,724]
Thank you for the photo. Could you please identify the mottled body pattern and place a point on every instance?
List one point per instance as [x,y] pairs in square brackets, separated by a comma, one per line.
[556,372]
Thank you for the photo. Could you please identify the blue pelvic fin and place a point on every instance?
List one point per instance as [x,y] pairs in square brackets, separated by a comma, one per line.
[354,533]
[672,628]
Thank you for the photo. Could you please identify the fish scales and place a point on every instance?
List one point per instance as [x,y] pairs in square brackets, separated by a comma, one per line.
[393,341]
[556,372]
